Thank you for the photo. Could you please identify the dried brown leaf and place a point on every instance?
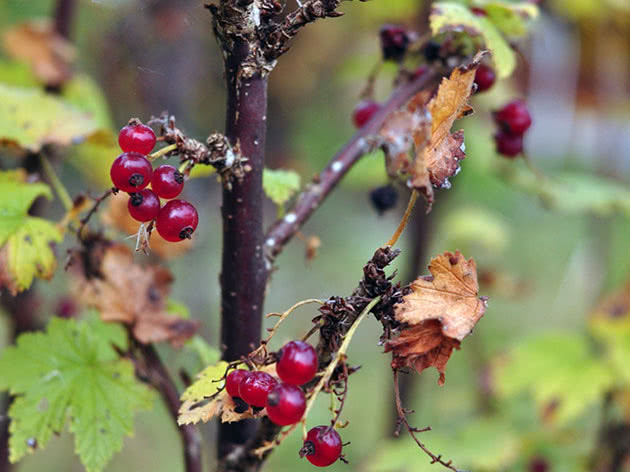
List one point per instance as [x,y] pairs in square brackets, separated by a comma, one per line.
[438,314]
[49,54]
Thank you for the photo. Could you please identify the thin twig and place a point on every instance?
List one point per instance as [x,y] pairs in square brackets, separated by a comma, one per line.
[56,183]
[97,202]
[405,219]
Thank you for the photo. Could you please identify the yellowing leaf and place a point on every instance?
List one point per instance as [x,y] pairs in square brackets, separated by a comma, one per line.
[438,314]
[30,118]
[208,382]
[511,18]
[25,241]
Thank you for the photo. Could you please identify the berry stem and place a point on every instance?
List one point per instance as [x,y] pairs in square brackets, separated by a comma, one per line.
[405,219]
[161,152]
[60,189]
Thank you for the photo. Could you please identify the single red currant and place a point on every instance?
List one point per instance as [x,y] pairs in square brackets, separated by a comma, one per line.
[167,181]
[131,172]
[509,145]
[364,112]
[538,464]
[233,381]
[484,77]
[255,387]
[394,42]
[285,404]
[143,205]
[136,137]
[478,11]
[322,446]
[297,363]
[513,118]
[419,72]
[177,220]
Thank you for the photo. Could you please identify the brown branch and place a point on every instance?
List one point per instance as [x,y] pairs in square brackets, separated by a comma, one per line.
[63,17]
[311,198]
[161,379]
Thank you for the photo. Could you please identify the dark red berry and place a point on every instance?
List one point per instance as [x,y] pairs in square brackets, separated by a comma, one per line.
[432,51]
[509,145]
[478,11]
[394,42]
[233,381]
[143,205]
[255,387]
[384,198]
[66,308]
[285,404]
[538,464]
[177,220]
[513,118]
[322,446]
[136,138]
[167,181]
[364,111]
[419,72]
[484,77]
[297,363]
[131,172]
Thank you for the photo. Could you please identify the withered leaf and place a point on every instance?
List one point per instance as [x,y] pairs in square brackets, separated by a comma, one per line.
[49,54]
[107,279]
[438,314]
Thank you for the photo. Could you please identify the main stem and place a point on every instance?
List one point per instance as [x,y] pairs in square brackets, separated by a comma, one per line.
[243,267]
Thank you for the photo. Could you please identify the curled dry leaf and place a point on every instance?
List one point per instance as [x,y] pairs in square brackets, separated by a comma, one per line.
[106,278]
[37,43]
[438,314]
[198,407]
[117,215]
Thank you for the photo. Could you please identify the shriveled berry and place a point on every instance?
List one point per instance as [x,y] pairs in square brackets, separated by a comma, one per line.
[177,220]
[131,172]
[384,198]
[509,145]
[484,77]
[364,111]
[143,205]
[167,181]
[233,381]
[297,363]
[322,446]
[394,42]
[285,404]
[255,387]
[136,138]
[513,118]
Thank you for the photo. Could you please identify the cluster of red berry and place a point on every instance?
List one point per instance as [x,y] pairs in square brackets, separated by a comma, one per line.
[132,172]
[513,120]
[285,401]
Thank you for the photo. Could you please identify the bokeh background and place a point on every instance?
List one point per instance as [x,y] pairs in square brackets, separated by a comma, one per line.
[548,250]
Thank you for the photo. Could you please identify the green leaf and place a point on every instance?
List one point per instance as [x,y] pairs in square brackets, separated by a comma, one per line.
[86,95]
[30,118]
[209,382]
[17,73]
[473,228]
[93,157]
[207,354]
[71,373]
[556,367]
[25,251]
[511,18]
[280,185]
[614,334]
[448,16]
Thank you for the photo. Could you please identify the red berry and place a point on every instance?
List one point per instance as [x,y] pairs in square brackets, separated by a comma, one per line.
[255,387]
[131,172]
[297,363]
[167,181]
[419,72]
[394,42]
[177,221]
[538,464]
[364,111]
[143,205]
[478,11]
[510,145]
[513,118]
[136,138]
[285,404]
[322,446]
[484,77]
[233,381]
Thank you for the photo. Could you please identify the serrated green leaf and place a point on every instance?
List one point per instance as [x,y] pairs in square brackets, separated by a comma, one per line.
[25,251]
[448,16]
[556,367]
[280,185]
[31,118]
[86,95]
[208,383]
[72,373]
[511,18]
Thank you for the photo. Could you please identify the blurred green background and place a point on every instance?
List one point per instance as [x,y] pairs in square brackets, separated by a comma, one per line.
[547,251]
